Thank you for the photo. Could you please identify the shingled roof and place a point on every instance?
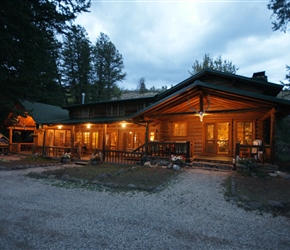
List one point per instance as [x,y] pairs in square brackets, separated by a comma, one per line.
[45,113]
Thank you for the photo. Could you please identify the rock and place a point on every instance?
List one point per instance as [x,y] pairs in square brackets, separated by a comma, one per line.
[74,179]
[131,186]
[163,163]
[102,176]
[275,204]
[148,164]
[158,188]
[244,197]
[109,184]
[273,174]
[121,171]
[283,175]
[255,205]
[65,177]
[18,167]
[176,167]
[233,198]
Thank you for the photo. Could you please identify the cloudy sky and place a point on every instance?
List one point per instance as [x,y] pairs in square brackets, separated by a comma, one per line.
[160,40]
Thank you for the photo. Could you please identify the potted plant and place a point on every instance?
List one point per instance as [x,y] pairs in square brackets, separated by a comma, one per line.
[96,158]
[245,164]
[177,161]
[66,157]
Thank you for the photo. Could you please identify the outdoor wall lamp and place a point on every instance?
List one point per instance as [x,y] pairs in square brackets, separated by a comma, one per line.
[59,126]
[88,125]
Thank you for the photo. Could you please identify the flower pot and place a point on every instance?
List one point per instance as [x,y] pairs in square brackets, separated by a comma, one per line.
[95,161]
[65,160]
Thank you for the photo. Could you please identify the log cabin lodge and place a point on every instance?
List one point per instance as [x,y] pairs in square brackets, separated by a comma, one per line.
[210,114]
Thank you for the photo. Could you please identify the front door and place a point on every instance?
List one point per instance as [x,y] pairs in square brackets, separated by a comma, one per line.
[217,138]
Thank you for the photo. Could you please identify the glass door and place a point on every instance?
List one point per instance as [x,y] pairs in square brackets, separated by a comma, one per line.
[223,138]
[217,138]
[210,141]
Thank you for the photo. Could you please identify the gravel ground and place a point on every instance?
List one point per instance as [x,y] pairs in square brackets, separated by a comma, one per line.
[190,214]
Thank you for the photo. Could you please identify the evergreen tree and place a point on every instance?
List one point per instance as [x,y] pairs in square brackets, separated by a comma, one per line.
[76,64]
[281,12]
[108,66]
[29,48]
[217,64]
[142,86]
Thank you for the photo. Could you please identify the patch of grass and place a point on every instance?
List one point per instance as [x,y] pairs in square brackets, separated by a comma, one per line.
[119,177]
[253,189]
[227,184]
[28,160]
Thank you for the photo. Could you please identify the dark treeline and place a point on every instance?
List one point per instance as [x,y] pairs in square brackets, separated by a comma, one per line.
[45,57]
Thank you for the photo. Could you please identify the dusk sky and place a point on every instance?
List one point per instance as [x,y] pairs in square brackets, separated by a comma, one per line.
[160,40]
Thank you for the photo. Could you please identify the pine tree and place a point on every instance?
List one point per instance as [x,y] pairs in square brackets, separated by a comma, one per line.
[29,48]
[142,86]
[217,64]
[76,64]
[108,66]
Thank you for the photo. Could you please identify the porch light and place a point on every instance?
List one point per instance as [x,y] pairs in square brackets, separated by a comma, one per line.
[123,124]
[59,126]
[88,125]
[201,114]
[201,111]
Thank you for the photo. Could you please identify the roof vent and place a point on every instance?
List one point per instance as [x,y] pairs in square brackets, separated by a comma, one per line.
[260,76]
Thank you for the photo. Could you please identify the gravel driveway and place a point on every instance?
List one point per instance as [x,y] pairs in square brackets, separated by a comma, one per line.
[191,214]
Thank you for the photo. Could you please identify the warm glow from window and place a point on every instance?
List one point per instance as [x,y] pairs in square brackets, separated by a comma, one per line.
[152,136]
[180,129]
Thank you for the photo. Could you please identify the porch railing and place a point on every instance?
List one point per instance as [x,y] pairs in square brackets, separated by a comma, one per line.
[166,149]
[21,146]
[51,151]
[155,149]
[259,152]
[123,157]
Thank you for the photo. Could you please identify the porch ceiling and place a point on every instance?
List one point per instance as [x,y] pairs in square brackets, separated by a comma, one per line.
[211,100]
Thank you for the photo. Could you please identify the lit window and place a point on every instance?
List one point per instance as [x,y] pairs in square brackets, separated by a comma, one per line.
[180,129]
[245,132]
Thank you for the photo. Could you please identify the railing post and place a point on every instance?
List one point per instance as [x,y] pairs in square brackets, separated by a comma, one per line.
[188,149]
[238,148]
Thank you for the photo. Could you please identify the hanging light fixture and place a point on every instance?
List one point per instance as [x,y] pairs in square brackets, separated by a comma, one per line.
[201,111]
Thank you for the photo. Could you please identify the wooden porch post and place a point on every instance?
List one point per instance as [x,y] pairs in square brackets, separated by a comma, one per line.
[104,141]
[146,138]
[43,142]
[10,138]
[72,139]
[273,137]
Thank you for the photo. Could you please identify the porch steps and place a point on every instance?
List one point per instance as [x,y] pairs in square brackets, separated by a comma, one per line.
[213,164]
[82,163]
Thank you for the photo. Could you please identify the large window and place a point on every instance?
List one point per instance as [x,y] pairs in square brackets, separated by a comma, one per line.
[180,129]
[115,110]
[245,132]
[95,140]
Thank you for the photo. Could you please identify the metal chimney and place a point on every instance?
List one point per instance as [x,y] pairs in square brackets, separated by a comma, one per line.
[83,98]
